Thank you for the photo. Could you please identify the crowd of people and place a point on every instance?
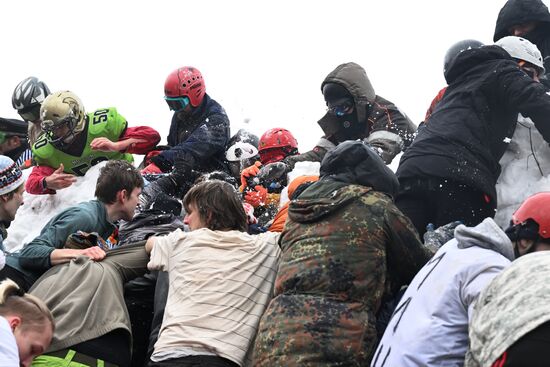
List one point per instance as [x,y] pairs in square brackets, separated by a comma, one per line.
[193,257]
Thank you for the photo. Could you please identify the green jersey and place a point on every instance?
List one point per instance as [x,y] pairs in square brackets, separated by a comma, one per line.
[104,123]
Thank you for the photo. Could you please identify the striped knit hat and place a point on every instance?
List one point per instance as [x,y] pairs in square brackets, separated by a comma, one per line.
[11,176]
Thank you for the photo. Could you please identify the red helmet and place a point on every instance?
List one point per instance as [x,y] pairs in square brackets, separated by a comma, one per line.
[186,82]
[276,144]
[537,208]
[277,138]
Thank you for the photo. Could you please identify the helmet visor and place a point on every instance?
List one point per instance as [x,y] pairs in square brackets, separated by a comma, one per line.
[31,113]
[177,104]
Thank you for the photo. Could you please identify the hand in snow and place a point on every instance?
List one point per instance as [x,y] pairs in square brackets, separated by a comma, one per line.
[94,253]
[105,145]
[256,197]
[435,238]
[249,172]
[59,180]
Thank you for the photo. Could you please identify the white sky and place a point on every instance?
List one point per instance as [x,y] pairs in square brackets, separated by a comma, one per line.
[263,61]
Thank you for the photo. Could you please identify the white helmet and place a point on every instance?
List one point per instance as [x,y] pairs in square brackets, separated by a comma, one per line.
[522,49]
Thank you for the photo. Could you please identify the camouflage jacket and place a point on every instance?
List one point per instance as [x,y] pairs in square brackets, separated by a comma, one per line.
[344,246]
[512,305]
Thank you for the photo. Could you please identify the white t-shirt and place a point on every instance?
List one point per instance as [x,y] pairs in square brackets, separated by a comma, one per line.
[9,353]
[220,285]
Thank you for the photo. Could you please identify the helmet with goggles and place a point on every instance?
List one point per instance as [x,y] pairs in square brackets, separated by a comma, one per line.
[63,117]
[184,86]
[532,219]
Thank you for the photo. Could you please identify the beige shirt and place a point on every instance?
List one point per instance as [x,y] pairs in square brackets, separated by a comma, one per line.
[220,285]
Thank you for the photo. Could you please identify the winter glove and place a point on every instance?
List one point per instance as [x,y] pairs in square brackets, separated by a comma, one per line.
[385,148]
[151,169]
[249,172]
[435,238]
[256,197]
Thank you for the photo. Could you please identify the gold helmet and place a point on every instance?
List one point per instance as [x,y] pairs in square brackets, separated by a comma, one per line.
[62,109]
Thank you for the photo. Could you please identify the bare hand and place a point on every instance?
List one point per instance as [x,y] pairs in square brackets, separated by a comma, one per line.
[59,180]
[105,145]
[94,253]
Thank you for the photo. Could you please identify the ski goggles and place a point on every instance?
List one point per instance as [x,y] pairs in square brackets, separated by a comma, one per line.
[341,108]
[177,104]
[31,113]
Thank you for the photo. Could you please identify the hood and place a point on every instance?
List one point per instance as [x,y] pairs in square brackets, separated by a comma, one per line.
[513,304]
[294,184]
[353,162]
[487,235]
[354,78]
[470,59]
[323,198]
[516,12]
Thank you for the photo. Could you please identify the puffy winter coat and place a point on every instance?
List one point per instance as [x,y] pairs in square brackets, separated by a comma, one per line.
[512,305]
[516,12]
[471,126]
[379,120]
[200,138]
[430,324]
[344,246]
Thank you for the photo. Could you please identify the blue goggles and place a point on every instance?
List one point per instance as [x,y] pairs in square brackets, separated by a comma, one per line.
[341,109]
[177,104]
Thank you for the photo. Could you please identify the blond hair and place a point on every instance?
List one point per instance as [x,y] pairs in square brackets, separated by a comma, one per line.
[15,302]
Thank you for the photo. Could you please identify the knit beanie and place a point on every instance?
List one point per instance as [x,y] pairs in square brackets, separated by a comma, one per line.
[11,176]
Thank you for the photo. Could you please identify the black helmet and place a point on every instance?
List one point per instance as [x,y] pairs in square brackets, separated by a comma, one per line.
[457,48]
[29,93]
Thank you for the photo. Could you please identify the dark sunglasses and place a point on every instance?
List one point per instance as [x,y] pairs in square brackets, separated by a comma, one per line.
[341,109]
[31,113]
[177,104]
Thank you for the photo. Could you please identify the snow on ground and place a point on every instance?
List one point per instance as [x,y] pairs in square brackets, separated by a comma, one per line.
[37,210]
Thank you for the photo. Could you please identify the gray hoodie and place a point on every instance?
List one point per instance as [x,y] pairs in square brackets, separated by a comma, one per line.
[430,324]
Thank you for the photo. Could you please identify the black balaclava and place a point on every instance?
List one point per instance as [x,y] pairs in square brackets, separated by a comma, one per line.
[350,126]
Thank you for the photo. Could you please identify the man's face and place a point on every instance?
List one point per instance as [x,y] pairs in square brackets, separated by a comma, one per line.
[11,205]
[521,30]
[10,144]
[129,204]
[61,130]
[192,218]
[31,342]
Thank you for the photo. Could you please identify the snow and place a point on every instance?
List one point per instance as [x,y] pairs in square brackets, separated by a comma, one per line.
[37,210]
[521,176]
